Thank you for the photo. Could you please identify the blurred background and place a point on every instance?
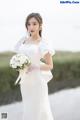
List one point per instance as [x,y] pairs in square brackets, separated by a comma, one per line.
[61,23]
[61,28]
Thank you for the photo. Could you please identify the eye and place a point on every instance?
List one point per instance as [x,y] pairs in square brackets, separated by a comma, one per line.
[28,24]
[34,24]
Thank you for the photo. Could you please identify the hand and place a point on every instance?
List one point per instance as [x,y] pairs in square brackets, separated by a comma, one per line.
[33,67]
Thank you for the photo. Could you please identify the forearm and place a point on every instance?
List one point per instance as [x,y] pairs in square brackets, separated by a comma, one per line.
[42,66]
[46,67]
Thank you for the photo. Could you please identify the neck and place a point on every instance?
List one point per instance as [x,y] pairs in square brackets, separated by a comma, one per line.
[35,38]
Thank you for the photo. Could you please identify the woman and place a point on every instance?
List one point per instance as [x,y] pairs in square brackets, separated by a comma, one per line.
[33,83]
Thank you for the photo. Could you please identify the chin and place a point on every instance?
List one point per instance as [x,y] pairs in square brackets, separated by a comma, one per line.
[33,34]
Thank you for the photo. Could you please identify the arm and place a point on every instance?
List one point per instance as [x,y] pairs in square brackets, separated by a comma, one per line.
[48,65]
[48,62]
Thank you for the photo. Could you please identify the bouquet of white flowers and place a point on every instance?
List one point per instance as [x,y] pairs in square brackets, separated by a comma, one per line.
[20,62]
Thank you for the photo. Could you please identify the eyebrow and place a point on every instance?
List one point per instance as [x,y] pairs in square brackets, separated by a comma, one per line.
[32,22]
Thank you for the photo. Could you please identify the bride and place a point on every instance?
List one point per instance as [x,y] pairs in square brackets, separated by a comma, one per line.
[33,83]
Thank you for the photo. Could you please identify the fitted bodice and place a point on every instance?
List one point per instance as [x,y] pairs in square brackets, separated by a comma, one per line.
[32,51]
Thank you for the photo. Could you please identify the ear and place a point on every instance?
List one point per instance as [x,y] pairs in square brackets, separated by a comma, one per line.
[40,27]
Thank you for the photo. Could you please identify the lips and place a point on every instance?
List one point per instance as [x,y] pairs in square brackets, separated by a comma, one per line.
[32,31]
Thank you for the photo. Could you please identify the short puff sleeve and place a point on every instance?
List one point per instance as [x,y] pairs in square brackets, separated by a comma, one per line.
[18,44]
[45,48]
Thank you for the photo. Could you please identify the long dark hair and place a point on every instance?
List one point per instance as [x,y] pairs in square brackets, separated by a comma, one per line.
[38,17]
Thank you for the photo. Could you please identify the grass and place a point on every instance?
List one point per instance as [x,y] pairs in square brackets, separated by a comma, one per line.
[66,74]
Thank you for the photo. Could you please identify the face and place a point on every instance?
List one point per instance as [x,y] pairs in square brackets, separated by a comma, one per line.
[33,26]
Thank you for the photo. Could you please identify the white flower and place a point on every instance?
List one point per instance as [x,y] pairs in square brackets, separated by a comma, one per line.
[19,61]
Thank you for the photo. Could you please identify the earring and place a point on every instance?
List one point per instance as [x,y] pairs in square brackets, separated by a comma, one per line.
[40,27]
[29,34]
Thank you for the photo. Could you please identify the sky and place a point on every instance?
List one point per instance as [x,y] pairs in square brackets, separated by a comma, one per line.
[61,23]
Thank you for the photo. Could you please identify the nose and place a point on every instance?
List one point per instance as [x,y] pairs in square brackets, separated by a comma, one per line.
[31,27]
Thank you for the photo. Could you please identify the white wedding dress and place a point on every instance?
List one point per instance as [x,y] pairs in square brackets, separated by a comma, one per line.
[34,88]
